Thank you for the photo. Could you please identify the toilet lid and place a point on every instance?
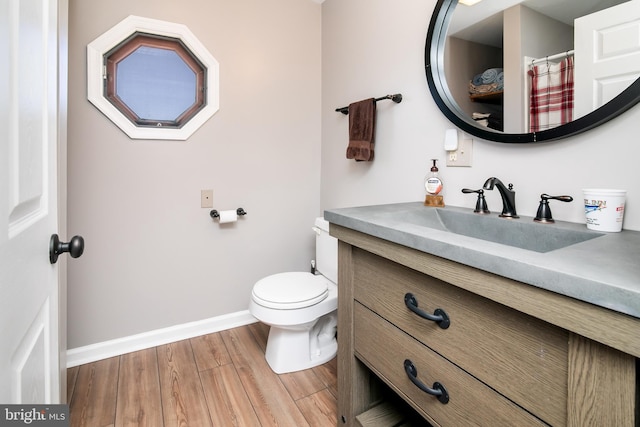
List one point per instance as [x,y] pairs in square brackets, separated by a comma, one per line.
[286,291]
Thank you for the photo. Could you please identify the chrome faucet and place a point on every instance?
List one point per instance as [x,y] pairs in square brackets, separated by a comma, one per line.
[507,194]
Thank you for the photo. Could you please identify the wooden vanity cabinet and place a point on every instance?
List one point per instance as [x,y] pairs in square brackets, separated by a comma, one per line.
[512,355]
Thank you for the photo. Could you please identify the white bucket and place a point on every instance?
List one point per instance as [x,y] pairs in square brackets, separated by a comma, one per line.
[604,209]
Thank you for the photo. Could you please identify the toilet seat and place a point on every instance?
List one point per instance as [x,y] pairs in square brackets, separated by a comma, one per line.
[289,291]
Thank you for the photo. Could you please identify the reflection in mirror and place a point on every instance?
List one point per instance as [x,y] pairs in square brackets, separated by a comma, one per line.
[523,67]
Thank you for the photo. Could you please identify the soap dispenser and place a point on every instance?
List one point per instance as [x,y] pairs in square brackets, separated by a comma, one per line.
[433,185]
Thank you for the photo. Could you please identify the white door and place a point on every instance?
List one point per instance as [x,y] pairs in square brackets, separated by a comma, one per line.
[607,55]
[30,370]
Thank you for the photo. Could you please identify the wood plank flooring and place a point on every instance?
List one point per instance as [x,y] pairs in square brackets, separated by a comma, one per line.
[220,380]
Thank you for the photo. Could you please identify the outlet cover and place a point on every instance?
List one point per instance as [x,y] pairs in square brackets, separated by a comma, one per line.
[462,156]
[206,198]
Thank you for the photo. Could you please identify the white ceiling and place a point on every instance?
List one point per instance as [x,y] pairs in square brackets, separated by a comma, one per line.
[482,22]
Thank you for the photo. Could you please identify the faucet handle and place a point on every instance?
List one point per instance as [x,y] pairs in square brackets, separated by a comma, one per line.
[561,198]
[544,211]
[481,203]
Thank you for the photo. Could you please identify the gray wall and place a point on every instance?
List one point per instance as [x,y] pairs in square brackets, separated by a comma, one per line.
[375,47]
[153,257]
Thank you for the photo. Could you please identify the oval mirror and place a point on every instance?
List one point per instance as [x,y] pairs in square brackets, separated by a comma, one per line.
[519,71]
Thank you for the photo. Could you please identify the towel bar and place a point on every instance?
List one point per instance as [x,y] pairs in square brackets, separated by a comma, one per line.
[397,98]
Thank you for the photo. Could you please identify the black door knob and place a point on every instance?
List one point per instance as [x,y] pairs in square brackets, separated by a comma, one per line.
[75,247]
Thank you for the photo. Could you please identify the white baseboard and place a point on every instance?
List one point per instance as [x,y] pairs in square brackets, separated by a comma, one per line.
[116,347]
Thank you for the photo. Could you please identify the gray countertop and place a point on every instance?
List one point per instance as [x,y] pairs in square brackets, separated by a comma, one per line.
[604,271]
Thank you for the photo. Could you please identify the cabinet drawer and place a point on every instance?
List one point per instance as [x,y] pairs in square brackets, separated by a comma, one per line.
[384,349]
[521,357]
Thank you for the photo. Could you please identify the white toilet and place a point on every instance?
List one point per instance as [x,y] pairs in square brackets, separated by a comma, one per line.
[301,309]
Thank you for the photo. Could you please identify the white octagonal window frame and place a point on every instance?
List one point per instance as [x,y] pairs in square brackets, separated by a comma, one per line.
[96,76]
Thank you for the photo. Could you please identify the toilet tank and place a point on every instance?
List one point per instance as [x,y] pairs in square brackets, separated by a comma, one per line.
[326,251]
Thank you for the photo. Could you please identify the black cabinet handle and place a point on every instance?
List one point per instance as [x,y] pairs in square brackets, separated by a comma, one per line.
[438,389]
[439,316]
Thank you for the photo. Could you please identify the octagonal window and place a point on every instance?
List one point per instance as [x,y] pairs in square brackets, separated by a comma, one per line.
[155,81]
[152,78]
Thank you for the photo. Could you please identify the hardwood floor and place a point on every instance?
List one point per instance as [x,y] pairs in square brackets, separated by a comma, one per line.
[221,379]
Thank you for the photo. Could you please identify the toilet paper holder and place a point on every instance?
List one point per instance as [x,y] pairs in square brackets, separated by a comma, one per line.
[215,214]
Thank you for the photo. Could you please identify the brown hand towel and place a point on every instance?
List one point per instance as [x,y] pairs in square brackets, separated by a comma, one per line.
[362,129]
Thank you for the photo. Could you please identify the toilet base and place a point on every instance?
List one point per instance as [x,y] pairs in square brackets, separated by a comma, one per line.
[290,350]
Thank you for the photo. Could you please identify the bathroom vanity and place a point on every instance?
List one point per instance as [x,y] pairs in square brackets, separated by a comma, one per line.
[548,335]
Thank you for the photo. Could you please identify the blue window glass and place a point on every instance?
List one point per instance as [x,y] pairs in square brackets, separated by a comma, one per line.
[155,81]
[156,84]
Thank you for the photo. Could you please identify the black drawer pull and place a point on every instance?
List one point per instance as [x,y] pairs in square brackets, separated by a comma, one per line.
[438,316]
[438,389]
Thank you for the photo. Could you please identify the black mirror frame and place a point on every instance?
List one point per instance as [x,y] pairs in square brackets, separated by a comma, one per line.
[434,67]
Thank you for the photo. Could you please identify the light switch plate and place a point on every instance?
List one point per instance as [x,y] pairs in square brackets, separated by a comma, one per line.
[206,198]
[461,156]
